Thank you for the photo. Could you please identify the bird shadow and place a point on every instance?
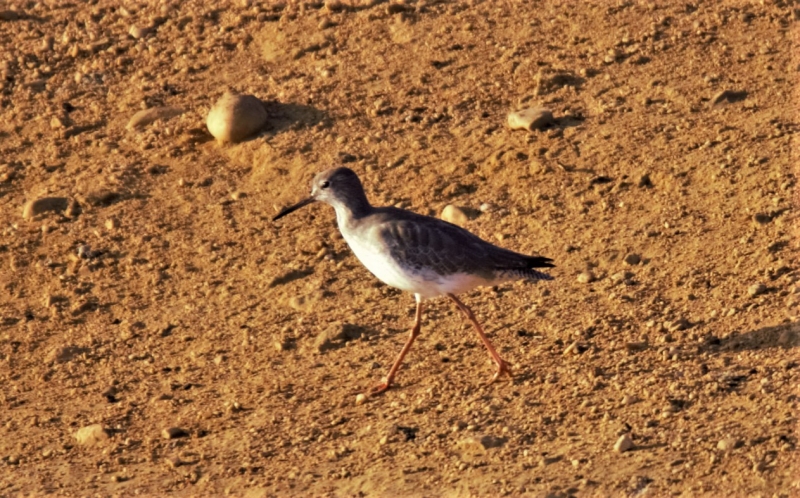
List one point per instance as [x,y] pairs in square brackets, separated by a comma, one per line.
[784,336]
[284,116]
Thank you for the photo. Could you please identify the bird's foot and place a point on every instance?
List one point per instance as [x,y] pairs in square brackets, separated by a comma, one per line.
[379,388]
[502,368]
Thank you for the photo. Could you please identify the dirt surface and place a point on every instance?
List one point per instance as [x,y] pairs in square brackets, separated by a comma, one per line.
[667,205]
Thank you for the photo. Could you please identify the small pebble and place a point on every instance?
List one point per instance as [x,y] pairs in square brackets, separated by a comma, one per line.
[361,399]
[533,118]
[756,290]
[572,349]
[149,116]
[454,215]
[479,444]
[586,277]
[137,32]
[633,259]
[726,96]
[624,443]
[762,218]
[727,444]
[679,323]
[174,432]
[43,205]
[91,434]
[236,117]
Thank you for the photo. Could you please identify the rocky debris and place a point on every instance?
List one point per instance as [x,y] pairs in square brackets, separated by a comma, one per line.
[480,444]
[323,342]
[487,207]
[623,444]
[174,433]
[91,434]
[454,215]
[586,277]
[335,336]
[679,323]
[85,252]
[138,32]
[533,118]
[66,353]
[728,444]
[148,116]
[629,400]
[645,181]
[236,117]
[728,96]
[756,289]
[575,348]
[762,218]
[635,347]
[633,259]
[361,399]
[622,277]
[44,204]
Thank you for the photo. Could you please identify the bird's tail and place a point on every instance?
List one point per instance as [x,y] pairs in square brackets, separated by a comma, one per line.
[526,273]
[526,269]
[538,262]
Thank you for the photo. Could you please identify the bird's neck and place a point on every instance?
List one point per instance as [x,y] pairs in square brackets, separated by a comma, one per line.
[356,207]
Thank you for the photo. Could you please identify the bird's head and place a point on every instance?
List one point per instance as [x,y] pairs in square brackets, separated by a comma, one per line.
[339,187]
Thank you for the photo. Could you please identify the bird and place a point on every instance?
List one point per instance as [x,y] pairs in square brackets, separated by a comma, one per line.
[426,256]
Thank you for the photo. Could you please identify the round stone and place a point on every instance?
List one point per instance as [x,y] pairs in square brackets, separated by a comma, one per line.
[236,117]
[454,215]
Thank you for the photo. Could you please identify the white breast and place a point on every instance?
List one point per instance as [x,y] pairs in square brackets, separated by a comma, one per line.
[427,284]
[388,271]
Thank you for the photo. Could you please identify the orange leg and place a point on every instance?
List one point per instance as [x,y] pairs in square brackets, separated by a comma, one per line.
[387,381]
[502,366]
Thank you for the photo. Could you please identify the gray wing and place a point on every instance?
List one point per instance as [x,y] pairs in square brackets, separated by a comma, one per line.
[430,243]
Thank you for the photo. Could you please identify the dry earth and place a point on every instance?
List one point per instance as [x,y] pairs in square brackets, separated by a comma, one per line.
[193,310]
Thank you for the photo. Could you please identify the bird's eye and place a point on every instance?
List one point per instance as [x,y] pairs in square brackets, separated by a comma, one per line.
[325,185]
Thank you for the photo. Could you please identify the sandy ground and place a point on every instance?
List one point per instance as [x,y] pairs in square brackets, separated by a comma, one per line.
[665,193]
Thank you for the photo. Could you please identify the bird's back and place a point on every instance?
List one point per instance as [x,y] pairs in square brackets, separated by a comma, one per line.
[411,251]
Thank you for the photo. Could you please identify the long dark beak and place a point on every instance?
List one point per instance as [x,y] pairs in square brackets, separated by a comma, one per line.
[291,209]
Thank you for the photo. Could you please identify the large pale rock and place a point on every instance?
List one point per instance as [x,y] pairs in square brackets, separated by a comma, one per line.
[236,117]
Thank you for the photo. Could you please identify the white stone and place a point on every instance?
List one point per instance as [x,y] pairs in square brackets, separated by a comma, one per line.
[91,434]
[236,117]
[454,215]
[533,118]
[624,443]
[137,32]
